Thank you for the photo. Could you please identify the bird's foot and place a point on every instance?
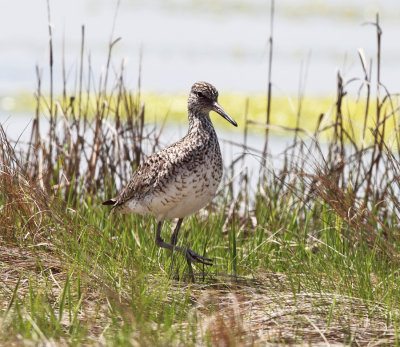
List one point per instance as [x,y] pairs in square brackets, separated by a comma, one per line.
[193,257]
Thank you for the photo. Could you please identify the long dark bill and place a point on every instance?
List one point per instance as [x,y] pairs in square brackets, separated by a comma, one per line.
[217,108]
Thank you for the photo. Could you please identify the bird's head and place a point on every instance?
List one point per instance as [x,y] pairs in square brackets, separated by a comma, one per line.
[203,98]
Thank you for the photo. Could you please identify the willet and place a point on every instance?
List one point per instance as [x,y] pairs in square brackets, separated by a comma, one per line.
[179,180]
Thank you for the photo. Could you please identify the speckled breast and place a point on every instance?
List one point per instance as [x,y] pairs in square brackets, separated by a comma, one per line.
[193,187]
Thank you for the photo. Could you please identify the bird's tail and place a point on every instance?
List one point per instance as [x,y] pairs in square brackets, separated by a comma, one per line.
[109,202]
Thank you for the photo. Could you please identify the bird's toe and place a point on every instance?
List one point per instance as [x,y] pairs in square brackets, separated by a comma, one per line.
[197,258]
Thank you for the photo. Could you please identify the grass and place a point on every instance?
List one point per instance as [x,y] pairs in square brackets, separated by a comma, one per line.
[310,257]
[73,275]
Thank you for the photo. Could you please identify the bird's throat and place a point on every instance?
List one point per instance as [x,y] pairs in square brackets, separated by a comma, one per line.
[200,123]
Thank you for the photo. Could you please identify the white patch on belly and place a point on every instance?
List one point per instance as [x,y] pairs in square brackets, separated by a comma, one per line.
[189,205]
[185,196]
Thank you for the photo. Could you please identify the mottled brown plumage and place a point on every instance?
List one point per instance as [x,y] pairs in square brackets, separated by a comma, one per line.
[182,178]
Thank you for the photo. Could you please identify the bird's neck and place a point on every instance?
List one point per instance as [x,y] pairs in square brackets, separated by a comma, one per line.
[200,123]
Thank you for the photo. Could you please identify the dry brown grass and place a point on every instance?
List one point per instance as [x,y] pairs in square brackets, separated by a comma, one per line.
[245,312]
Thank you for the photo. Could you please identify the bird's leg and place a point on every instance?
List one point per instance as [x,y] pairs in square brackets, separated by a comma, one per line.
[193,256]
[174,237]
[159,241]
[189,262]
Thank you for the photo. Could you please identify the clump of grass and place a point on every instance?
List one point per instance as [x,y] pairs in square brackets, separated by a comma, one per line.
[311,257]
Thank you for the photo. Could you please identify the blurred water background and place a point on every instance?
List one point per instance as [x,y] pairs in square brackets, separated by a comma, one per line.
[221,41]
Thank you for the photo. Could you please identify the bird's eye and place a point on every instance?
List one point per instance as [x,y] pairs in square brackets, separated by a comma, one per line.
[200,94]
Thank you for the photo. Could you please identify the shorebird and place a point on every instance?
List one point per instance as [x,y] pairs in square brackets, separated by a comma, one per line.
[179,180]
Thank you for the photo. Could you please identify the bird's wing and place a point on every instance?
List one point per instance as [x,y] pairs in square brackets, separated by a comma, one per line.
[153,171]
[142,180]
